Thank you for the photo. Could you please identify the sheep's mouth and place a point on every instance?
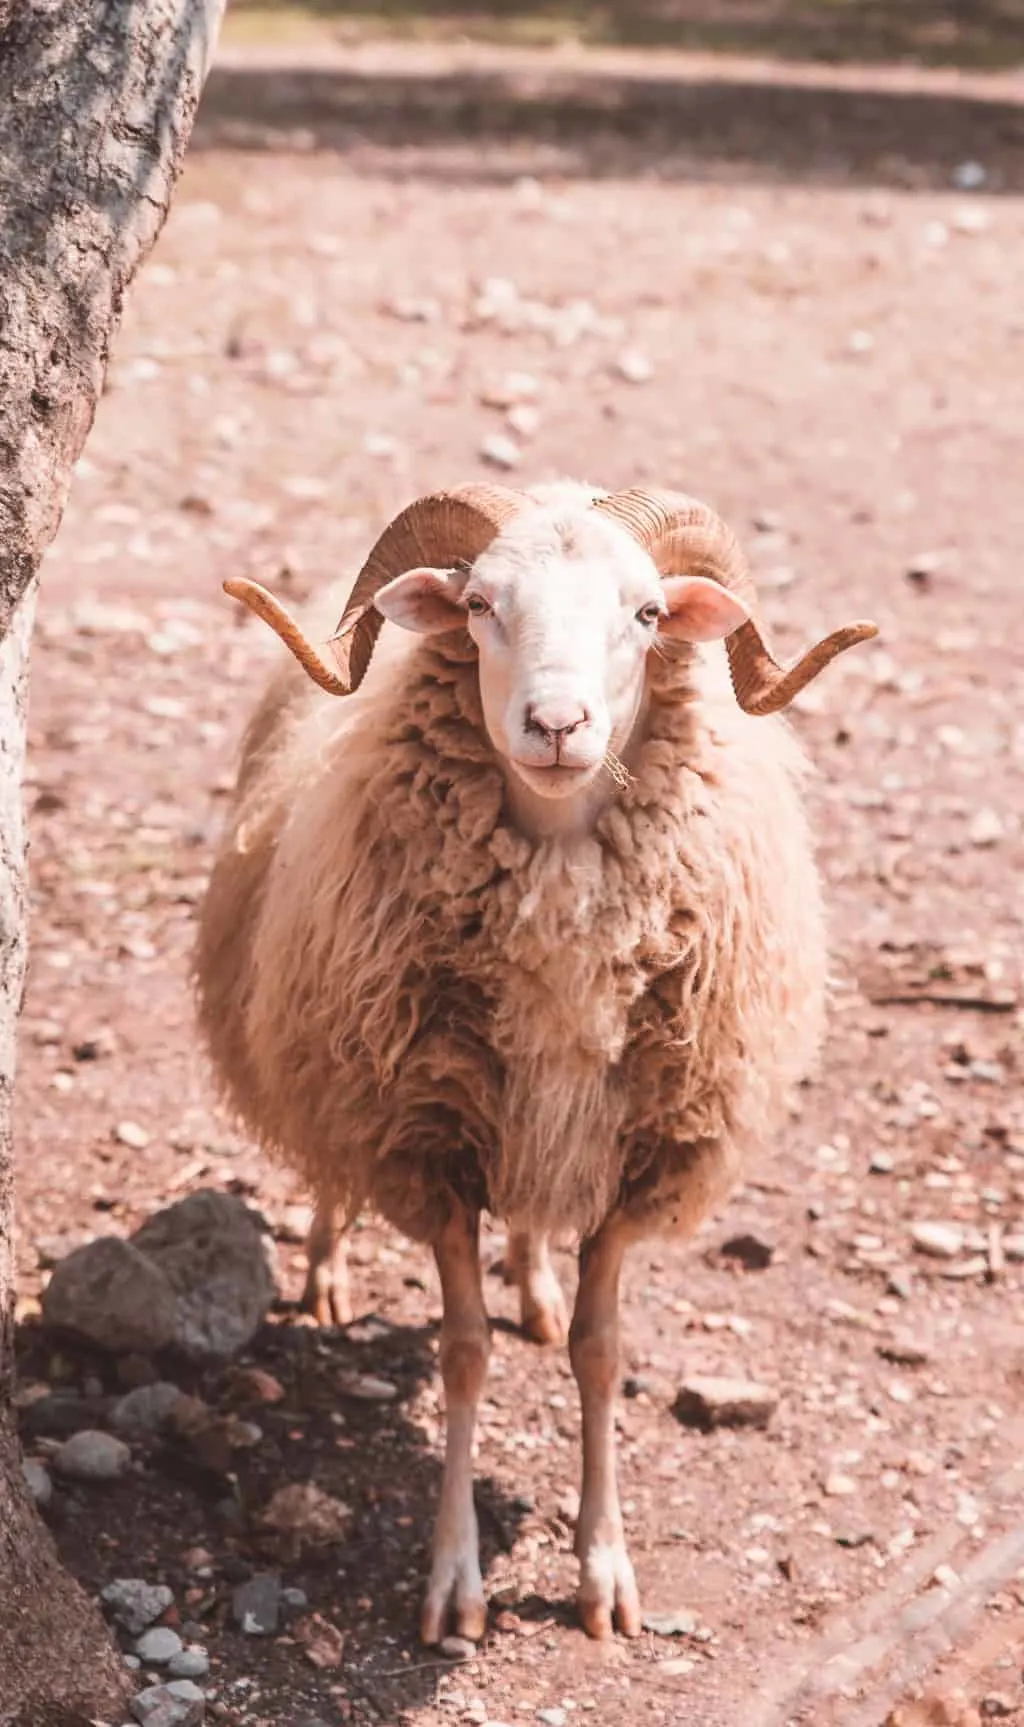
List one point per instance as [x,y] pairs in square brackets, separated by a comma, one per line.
[555,779]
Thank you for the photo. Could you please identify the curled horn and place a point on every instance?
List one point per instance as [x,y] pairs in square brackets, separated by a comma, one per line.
[443,529]
[685,537]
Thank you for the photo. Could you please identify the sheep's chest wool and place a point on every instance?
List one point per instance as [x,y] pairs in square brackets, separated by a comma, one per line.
[518,1020]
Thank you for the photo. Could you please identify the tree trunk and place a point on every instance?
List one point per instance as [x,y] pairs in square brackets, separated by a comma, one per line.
[97,99]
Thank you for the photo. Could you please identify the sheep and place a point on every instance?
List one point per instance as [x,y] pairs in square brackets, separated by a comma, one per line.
[529,923]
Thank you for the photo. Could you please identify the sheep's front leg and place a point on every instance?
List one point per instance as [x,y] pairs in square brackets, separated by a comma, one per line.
[544,1314]
[326,1295]
[607,1590]
[455,1580]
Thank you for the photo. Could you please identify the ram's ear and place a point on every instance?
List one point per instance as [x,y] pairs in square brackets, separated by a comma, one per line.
[426,601]
[700,610]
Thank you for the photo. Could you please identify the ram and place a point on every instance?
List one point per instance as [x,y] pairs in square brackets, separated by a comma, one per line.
[528,923]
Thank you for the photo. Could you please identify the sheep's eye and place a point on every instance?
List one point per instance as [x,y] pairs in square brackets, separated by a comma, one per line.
[649,614]
[476,605]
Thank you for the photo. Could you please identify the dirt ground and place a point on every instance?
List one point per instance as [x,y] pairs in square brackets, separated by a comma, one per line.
[772,293]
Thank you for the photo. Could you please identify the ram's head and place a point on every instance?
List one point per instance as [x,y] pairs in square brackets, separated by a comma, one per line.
[564,600]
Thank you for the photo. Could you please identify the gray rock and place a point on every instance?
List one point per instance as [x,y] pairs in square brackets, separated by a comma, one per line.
[132,1663]
[159,1646]
[60,1415]
[197,1277]
[135,1604]
[39,1484]
[708,1402]
[295,1599]
[179,1704]
[219,1264]
[92,1456]
[112,1295]
[189,1664]
[146,1409]
[256,1605]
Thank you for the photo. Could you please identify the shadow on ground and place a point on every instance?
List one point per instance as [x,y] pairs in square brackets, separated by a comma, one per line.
[373,1456]
[588,122]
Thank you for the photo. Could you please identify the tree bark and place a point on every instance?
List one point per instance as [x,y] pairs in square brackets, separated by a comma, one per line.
[97,99]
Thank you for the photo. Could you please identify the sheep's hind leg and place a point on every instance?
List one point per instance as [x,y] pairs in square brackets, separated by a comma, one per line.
[455,1580]
[607,1589]
[544,1314]
[326,1295]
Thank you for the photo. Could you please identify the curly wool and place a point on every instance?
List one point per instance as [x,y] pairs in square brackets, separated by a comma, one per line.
[408,1000]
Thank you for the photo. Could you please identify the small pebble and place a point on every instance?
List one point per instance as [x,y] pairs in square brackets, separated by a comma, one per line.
[39,1484]
[680,1623]
[131,1134]
[135,1604]
[92,1456]
[839,1486]
[634,367]
[368,1387]
[986,829]
[256,1604]
[146,1409]
[178,1704]
[158,1646]
[709,1401]
[969,176]
[457,1648]
[500,451]
[997,1705]
[189,1664]
[552,1717]
[937,1240]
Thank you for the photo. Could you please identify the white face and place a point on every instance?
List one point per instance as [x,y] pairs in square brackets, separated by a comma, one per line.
[564,608]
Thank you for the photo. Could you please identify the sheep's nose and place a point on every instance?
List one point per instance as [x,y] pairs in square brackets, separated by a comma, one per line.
[555,719]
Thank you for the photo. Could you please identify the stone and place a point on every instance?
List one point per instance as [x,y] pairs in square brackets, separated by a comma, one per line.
[749,1250]
[219,1263]
[197,1278]
[110,1294]
[134,1604]
[304,1510]
[92,1456]
[60,1414]
[904,1350]
[256,1604]
[38,1480]
[499,451]
[322,1643]
[189,1664]
[146,1409]
[129,1133]
[937,1240]
[177,1704]
[839,1486]
[158,1646]
[457,1648]
[367,1387]
[986,828]
[552,1717]
[996,1705]
[634,367]
[680,1623]
[708,1401]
